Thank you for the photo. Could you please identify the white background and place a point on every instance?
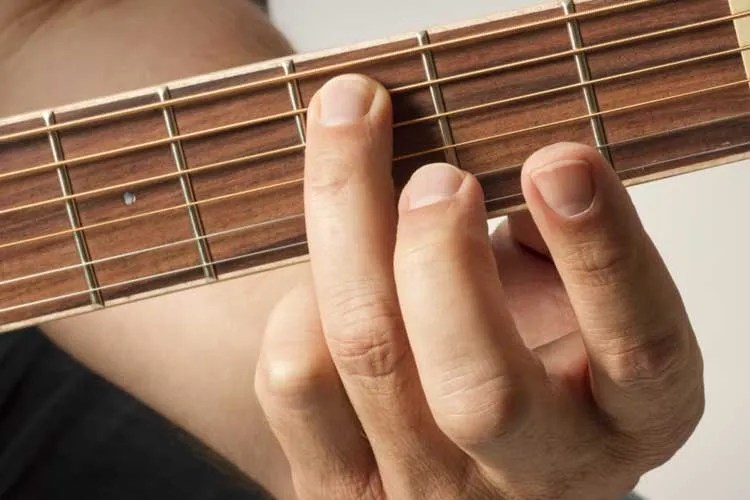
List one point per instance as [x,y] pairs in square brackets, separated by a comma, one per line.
[699,222]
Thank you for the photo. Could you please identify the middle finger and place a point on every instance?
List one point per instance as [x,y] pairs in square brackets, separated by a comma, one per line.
[479,378]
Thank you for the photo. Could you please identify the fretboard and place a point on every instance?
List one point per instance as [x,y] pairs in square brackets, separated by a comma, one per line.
[200,180]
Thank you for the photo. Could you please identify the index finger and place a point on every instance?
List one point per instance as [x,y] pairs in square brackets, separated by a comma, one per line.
[351,225]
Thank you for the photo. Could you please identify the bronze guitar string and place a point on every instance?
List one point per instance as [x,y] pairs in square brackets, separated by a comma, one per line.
[402,124]
[300,147]
[290,246]
[71,162]
[479,175]
[232,90]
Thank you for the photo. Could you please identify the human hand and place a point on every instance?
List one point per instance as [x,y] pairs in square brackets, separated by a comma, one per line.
[425,361]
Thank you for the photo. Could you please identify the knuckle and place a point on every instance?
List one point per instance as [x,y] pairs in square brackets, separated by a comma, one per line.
[343,485]
[291,383]
[366,349]
[328,173]
[675,384]
[474,412]
[658,362]
[596,263]
[437,245]
[366,340]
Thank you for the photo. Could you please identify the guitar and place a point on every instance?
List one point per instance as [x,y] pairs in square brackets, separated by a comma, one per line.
[199,181]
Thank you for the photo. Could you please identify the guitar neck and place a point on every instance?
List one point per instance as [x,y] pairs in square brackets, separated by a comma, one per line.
[200,180]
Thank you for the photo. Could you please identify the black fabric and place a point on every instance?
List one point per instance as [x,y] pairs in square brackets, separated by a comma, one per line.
[67,434]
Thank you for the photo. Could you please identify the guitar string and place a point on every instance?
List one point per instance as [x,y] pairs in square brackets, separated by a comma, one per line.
[298,147]
[303,243]
[480,175]
[455,145]
[331,68]
[422,84]
[298,181]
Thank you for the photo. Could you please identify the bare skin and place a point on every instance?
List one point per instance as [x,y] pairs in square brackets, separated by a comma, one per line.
[96,48]
[410,368]
[159,352]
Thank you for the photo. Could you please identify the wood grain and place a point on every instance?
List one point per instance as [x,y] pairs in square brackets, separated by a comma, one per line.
[509,153]
[633,157]
[263,228]
[59,252]
[126,237]
[255,208]
[407,105]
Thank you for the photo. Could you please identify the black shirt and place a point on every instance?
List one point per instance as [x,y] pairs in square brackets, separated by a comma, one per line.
[67,434]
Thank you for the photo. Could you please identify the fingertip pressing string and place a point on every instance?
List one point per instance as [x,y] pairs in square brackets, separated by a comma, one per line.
[300,147]
[231,90]
[488,203]
[165,103]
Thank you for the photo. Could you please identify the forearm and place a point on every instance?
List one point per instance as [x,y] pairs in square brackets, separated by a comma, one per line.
[190,356]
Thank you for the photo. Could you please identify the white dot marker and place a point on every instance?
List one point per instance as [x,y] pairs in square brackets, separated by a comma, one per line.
[129,198]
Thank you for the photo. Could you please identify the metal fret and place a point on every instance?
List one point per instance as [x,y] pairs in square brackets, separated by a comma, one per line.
[584,73]
[209,269]
[451,155]
[71,207]
[295,95]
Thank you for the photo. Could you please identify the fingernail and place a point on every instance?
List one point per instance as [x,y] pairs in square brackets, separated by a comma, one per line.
[430,185]
[345,100]
[567,187]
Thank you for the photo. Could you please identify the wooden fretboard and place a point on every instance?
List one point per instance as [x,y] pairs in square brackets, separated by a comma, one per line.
[200,180]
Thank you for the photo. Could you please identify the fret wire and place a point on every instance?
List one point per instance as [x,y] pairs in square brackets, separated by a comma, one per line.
[289,114]
[211,166]
[467,143]
[466,75]
[155,143]
[573,52]
[156,248]
[584,75]
[411,122]
[504,211]
[479,175]
[295,96]
[258,121]
[74,218]
[154,276]
[577,119]
[574,86]
[186,186]
[438,102]
[228,91]
[173,208]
